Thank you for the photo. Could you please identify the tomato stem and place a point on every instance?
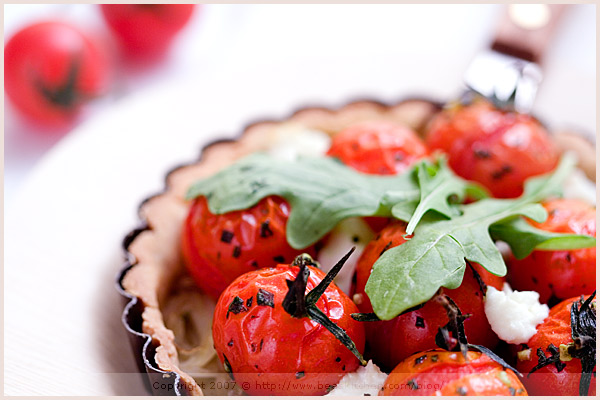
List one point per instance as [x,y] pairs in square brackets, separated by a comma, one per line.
[299,306]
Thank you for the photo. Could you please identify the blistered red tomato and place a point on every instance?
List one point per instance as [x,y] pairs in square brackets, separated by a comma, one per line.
[446,373]
[499,149]
[51,70]
[563,374]
[219,248]
[379,147]
[145,31]
[270,352]
[559,274]
[389,342]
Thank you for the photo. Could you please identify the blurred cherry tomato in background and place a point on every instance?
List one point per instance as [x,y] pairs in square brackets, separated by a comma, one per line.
[51,69]
[145,31]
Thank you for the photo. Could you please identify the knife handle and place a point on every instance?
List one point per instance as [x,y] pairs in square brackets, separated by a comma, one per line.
[526,29]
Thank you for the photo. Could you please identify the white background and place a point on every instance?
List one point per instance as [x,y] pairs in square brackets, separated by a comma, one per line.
[66,213]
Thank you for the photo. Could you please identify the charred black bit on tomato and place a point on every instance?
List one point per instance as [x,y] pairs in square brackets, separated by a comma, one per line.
[230,344]
[300,306]
[265,230]
[338,359]
[249,302]
[236,306]
[226,236]
[261,344]
[583,347]
[482,154]
[387,246]
[421,359]
[420,322]
[265,298]
[237,250]
[279,259]
[412,384]
[506,169]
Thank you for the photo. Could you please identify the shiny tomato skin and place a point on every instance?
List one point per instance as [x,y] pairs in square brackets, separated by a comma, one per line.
[559,274]
[444,373]
[145,31]
[51,70]
[219,248]
[547,381]
[392,341]
[381,148]
[272,353]
[498,149]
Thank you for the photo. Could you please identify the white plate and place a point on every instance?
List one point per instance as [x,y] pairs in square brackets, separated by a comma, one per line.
[63,334]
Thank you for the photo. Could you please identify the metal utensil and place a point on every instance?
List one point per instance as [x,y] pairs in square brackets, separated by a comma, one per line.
[509,71]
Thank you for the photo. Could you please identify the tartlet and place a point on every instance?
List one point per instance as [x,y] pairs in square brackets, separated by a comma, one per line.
[154,280]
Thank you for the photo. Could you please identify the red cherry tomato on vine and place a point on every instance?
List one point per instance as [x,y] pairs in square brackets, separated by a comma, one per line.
[145,31]
[392,341]
[498,149]
[379,148]
[219,248]
[270,352]
[562,377]
[51,69]
[447,373]
[561,274]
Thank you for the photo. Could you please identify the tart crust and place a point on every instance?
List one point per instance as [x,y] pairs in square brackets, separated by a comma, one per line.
[154,261]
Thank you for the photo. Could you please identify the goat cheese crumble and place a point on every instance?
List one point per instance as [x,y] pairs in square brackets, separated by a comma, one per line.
[365,381]
[514,315]
[291,141]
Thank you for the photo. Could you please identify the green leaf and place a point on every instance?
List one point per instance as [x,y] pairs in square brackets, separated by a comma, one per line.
[437,185]
[435,256]
[523,238]
[320,190]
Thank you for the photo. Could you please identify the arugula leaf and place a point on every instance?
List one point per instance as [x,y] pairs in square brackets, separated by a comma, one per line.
[321,192]
[523,238]
[435,256]
[437,184]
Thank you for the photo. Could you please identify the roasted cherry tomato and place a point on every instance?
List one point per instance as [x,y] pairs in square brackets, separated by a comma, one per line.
[51,69]
[498,149]
[561,274]
[389,342]
[271,352]
[447,373]
[219,248]
[561,355]
[378,147]
[145,31]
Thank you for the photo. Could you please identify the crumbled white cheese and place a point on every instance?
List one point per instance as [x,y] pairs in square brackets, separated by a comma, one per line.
[291,140]
[366,380]
[514,315]
[578,186]
[350,232]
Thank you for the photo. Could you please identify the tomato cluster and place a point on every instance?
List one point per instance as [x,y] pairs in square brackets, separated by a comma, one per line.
[52,69]
[262,344]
